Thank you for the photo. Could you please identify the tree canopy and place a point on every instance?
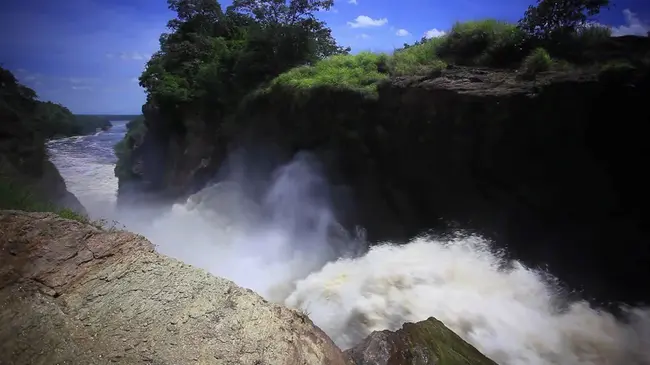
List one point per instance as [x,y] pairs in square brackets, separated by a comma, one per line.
[210,58]
[551,18]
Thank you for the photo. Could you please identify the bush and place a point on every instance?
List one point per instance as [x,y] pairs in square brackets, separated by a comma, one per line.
[15,196]
[592,34]
[537,61]
[362,71]
[417,59]
[135,131]
[482,43]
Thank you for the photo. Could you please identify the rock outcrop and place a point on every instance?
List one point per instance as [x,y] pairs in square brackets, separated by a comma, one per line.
[424,343]
[550,167]
[74,294]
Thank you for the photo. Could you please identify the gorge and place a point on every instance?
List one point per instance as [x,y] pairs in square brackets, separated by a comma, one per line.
[473,198]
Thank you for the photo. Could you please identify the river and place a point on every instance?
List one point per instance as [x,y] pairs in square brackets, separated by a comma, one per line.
[288,248]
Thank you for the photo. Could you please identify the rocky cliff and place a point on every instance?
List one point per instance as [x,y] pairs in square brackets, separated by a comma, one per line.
[27,177]
[71,293]
[539,165]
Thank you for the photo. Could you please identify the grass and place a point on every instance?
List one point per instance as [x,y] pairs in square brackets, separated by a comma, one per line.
[418,59]
[14,196]
[361,71]
[484,43]
[537,61]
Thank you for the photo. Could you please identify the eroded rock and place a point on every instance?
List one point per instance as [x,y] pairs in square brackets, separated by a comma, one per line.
[424,343]
[74,294]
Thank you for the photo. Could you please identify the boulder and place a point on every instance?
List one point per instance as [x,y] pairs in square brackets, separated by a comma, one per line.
[424,343]
[71,293]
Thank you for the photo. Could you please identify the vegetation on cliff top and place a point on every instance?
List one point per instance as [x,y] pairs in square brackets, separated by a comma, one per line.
[26,123]
[212,63]
[135,131]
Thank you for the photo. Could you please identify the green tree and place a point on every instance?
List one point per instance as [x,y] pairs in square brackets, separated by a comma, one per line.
[556,19]
[211,59]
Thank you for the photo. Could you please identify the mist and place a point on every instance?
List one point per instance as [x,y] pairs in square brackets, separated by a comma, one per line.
[271,227]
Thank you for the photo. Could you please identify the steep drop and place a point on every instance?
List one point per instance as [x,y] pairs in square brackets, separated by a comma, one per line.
[279,237]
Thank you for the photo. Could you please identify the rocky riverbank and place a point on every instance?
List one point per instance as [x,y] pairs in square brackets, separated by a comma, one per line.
[72,293]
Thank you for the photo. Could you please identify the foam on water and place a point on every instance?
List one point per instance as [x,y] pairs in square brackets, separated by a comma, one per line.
[288,247]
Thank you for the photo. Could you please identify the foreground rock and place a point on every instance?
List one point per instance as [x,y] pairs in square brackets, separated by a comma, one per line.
[424,343]
[73,294]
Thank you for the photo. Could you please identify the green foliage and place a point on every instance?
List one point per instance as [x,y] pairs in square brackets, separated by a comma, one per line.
[361,71]
[16,196]
[135,131]
[591,34]
[558,20]
[537,61]
[55,120]
[482,43]
[419,58]
[88,123]
[25,122]
[211,59]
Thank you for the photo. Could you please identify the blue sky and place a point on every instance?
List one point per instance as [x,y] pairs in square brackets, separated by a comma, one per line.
[88,54]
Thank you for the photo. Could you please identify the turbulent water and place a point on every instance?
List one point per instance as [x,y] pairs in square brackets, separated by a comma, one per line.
[287,246]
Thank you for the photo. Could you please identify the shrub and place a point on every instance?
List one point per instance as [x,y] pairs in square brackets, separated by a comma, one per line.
[537,61]
[135,131]
[592,34]
[361,71]
[417,59]
[16,197]
[482,43]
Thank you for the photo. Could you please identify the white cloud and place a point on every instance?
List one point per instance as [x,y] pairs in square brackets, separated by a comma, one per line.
[433,33]
[353,2]
[363,21]
[402,33]
[633,25]
[87,88]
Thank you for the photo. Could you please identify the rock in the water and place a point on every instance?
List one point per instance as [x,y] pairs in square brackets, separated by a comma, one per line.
[74,294]
[424,343]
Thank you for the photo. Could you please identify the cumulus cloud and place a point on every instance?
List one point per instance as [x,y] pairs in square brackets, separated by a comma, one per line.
[364,21]
[402,33]
[353,2]
[633,25]
[433,33]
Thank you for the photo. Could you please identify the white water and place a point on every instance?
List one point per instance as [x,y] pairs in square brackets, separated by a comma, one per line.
[288,247]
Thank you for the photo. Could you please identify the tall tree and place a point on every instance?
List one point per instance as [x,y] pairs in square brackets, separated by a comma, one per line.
[555,18]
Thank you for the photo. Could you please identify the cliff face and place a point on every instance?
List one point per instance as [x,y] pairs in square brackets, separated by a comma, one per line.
[538,165]
[24,165]
[541,166]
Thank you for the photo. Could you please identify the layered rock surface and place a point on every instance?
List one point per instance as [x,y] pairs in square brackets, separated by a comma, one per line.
[74,294]
[424,343]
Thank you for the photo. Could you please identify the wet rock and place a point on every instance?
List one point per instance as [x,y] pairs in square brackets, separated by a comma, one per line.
[424,343]
[74,294]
